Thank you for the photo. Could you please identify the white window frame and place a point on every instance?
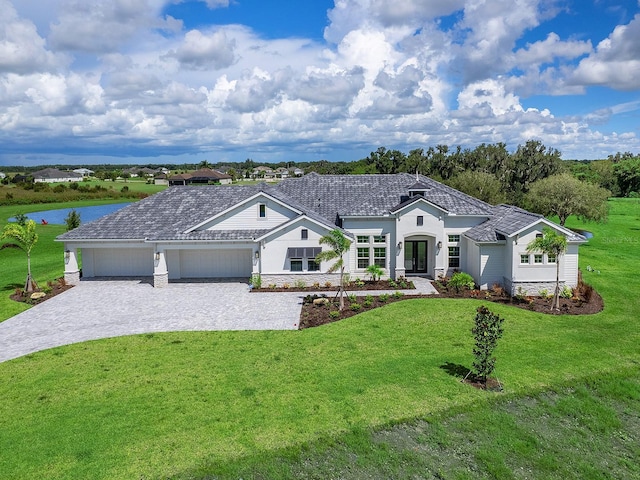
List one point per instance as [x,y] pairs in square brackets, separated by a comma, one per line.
[522,259]
[291,260]
[381,261]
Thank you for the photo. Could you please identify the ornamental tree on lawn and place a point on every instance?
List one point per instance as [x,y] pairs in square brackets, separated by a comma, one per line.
[24,237]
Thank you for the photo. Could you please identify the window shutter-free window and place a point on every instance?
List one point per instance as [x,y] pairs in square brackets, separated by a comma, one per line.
[454,257]
[363,257]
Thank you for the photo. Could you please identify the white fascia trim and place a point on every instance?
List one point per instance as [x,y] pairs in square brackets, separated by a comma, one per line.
[377,217]
[236,205]
[102,240]
[550,224]
[295,220]
[424,201]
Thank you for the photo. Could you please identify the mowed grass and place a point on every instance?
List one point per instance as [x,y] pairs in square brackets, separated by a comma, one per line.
[46,257]
[375,396]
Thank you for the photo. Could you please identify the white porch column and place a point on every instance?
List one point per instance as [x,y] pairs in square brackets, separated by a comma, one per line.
[256,253]
[160,271]
[399,249]
[71,269]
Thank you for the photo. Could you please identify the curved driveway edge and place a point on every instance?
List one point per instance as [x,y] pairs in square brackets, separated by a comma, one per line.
[110,308]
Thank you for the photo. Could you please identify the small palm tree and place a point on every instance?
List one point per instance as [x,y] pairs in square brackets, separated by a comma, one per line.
[24,237]
[375,271]
[553,244]
[339,246]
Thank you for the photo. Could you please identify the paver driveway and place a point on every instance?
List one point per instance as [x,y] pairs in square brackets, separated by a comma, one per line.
[110,308]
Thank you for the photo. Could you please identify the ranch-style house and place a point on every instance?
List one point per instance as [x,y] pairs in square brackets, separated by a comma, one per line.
[406,224]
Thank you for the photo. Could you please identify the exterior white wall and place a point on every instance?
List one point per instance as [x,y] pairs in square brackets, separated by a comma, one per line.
[533,272]
[57,180]
[273,251]
[571,265]
[431,230]
[472,259]
[534,277]
[492,262]
[246,216]
[370,227]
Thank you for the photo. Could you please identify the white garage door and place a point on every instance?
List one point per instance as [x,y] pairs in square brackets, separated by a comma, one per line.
[122,262]
[215,263]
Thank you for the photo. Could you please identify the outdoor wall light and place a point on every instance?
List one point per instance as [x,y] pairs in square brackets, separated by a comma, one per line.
[157,255]
[439,245]
[399,245]
[257,254]
[67,255]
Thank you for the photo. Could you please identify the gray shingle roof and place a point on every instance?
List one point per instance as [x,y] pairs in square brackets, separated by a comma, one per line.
[324,198]
[374,195]
[55,173]
[507,220]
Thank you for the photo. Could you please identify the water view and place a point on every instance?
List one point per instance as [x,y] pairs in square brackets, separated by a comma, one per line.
[87,214]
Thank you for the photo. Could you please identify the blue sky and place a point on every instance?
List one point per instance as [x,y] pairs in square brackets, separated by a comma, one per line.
[172,81]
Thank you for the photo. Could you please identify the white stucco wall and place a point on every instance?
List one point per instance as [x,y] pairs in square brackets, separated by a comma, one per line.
[371,227]
[273,251]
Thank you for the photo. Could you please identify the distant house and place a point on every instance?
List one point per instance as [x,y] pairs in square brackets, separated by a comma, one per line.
[282,172]
[265,173]
[136,171]
[85,172]
[51,175]
[163,170]
[2,175]
[297,172]
[161,179]
[203,176]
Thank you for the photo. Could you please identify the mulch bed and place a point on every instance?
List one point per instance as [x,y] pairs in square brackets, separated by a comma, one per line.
[53,288]
[351,287]
[587,302]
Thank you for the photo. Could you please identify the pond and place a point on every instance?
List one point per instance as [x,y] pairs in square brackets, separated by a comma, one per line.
[585,233]
[87,214]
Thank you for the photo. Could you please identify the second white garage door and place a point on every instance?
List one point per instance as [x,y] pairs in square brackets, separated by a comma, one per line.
[215,263]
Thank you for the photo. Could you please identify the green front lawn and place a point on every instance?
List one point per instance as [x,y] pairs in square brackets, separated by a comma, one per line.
[274,404]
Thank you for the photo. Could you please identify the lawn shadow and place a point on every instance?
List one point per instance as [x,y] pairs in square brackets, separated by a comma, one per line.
[455,369]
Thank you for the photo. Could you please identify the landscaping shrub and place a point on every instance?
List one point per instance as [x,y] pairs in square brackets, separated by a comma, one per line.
[255,281]
[486,331]
[461,280]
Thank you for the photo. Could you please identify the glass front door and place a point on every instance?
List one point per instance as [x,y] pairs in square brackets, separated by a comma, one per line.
[415,256]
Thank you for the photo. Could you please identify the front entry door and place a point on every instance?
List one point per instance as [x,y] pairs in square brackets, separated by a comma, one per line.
[415,256]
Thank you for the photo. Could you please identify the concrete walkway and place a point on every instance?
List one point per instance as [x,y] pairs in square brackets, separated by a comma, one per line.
[97,309]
